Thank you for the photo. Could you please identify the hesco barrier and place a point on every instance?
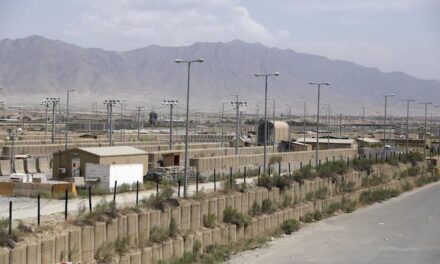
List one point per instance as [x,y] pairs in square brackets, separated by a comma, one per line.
[81,244]
[206,165]
[21,189]
[5,168]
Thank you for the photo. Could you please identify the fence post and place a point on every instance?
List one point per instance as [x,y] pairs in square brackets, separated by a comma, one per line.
[230,177]
[137,193]
[279,168]
[326,159]
[348,161]
[290,175]
[38,210]
[244,175]
[334,159]
[114,193]
[65,205]
[197,182]
[157,186]
[178,187]
[10,217]
[259,171]
[310,163]
[376,157]
[268,170]
[319,164]
[215,182]
[90,199]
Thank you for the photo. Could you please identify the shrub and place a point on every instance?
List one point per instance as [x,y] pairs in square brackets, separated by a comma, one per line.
[282,182]
[310,196]
[275,159]
[290,226]
[101,212]
[265,181]
[348,206]
[332,208]
[255,210]
[413,171]
[209,221]
[369,197]
[197,246]
[227,186]
[287,201]
[373,180]
[231,216]
[172,228]
[348,186]
[407,186]
[308,218]
[317,215]
[158,235]
[304,174]
[363,165]
[122,245]
[267,207]
[6,239]
[321,193]
[332,169]
[159,201]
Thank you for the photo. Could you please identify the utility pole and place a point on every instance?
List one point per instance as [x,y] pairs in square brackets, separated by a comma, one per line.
[222,122]
[424,136]
[139,110]
[110,103]
[46,106]
[171,103]
[385,119]
[237,104]
[317,120]
[273,123]
[304,121]
[54,102]
[363,123]
[340,124]
[408,101]
[289,118]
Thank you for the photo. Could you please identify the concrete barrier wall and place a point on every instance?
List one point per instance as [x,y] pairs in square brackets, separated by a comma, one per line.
[5,168]
[81,244]
[30,166]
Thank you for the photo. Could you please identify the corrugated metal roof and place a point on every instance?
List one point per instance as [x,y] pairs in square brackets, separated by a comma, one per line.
[368,140]
[113,151]
[326,140]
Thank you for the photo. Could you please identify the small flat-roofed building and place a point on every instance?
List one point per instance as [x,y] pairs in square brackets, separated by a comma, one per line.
[71,162]
[329,143]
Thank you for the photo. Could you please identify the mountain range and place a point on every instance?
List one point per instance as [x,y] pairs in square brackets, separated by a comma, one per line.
[33,68]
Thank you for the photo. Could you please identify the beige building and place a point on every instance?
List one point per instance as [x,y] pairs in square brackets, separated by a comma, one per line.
[72,162]
[329,143]
[276,132]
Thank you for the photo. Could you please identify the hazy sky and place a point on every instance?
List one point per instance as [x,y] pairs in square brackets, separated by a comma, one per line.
[393,35]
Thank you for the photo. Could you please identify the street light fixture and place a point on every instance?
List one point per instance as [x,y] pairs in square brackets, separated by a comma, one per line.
[289,118]
[317,119]
[304,120]
[67,118]
[171,103]
[109,103]
[265,75]
[13,136]
[385,119]
[188,62]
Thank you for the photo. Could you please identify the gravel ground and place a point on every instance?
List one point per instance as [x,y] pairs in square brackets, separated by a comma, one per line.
[403,230]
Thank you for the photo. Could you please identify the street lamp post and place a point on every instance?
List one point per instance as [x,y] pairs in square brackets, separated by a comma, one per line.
[363,123]
[304,120]
[438,132]
[46,106]
[408,101]
[67,119]
[273,123]
[289,119]
[265,75]
[13,136]
[54,102]
[110,103]
[139,110]
[385,119]
[237,104]
[188,62]
[425,130]
[317,120]
[171,103]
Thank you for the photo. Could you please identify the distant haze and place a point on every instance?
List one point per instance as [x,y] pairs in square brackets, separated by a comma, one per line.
[34,68]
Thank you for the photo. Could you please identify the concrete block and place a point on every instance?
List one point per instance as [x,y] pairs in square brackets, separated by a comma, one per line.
[33,254]
[265,193]
[122,226]
[175,214]
[111,231]
[232,233]
[87,244]
[136,258]
[61,247]
[48,251]
[207,238]
[230,201]
[4,256]
[154,218]
[259,196]
[237,202]
[185,214]
[100,235]
[178,247]
[267,226]
[17,255]
[221,203]
[244,203]
[216,237]
[156,253]
[124,259]
[189,243]
[212,206]
[30,166]
[254,227]
[144,226]
[273,221]
[199,237]
[224,235]
[75,245]
[240,233]
[251,199]
[280,218]
[195,215]
[132,228]
[5,168]
[146,255]
[203,210]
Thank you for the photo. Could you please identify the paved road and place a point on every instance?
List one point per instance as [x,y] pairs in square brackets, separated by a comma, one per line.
[403,230]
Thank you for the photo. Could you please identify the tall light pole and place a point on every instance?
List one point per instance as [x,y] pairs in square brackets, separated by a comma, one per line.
[67,119]
[46,107]
[408,101]
[188,62]
[237,104]
[171,103]
[53,101]
[438,132]
[265,75]
[222,122]
[289,119]
[363,123]
[328,125]
[139,109]
[424,136]
[121,123]
[317,119]
[385,119]
[110,103]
